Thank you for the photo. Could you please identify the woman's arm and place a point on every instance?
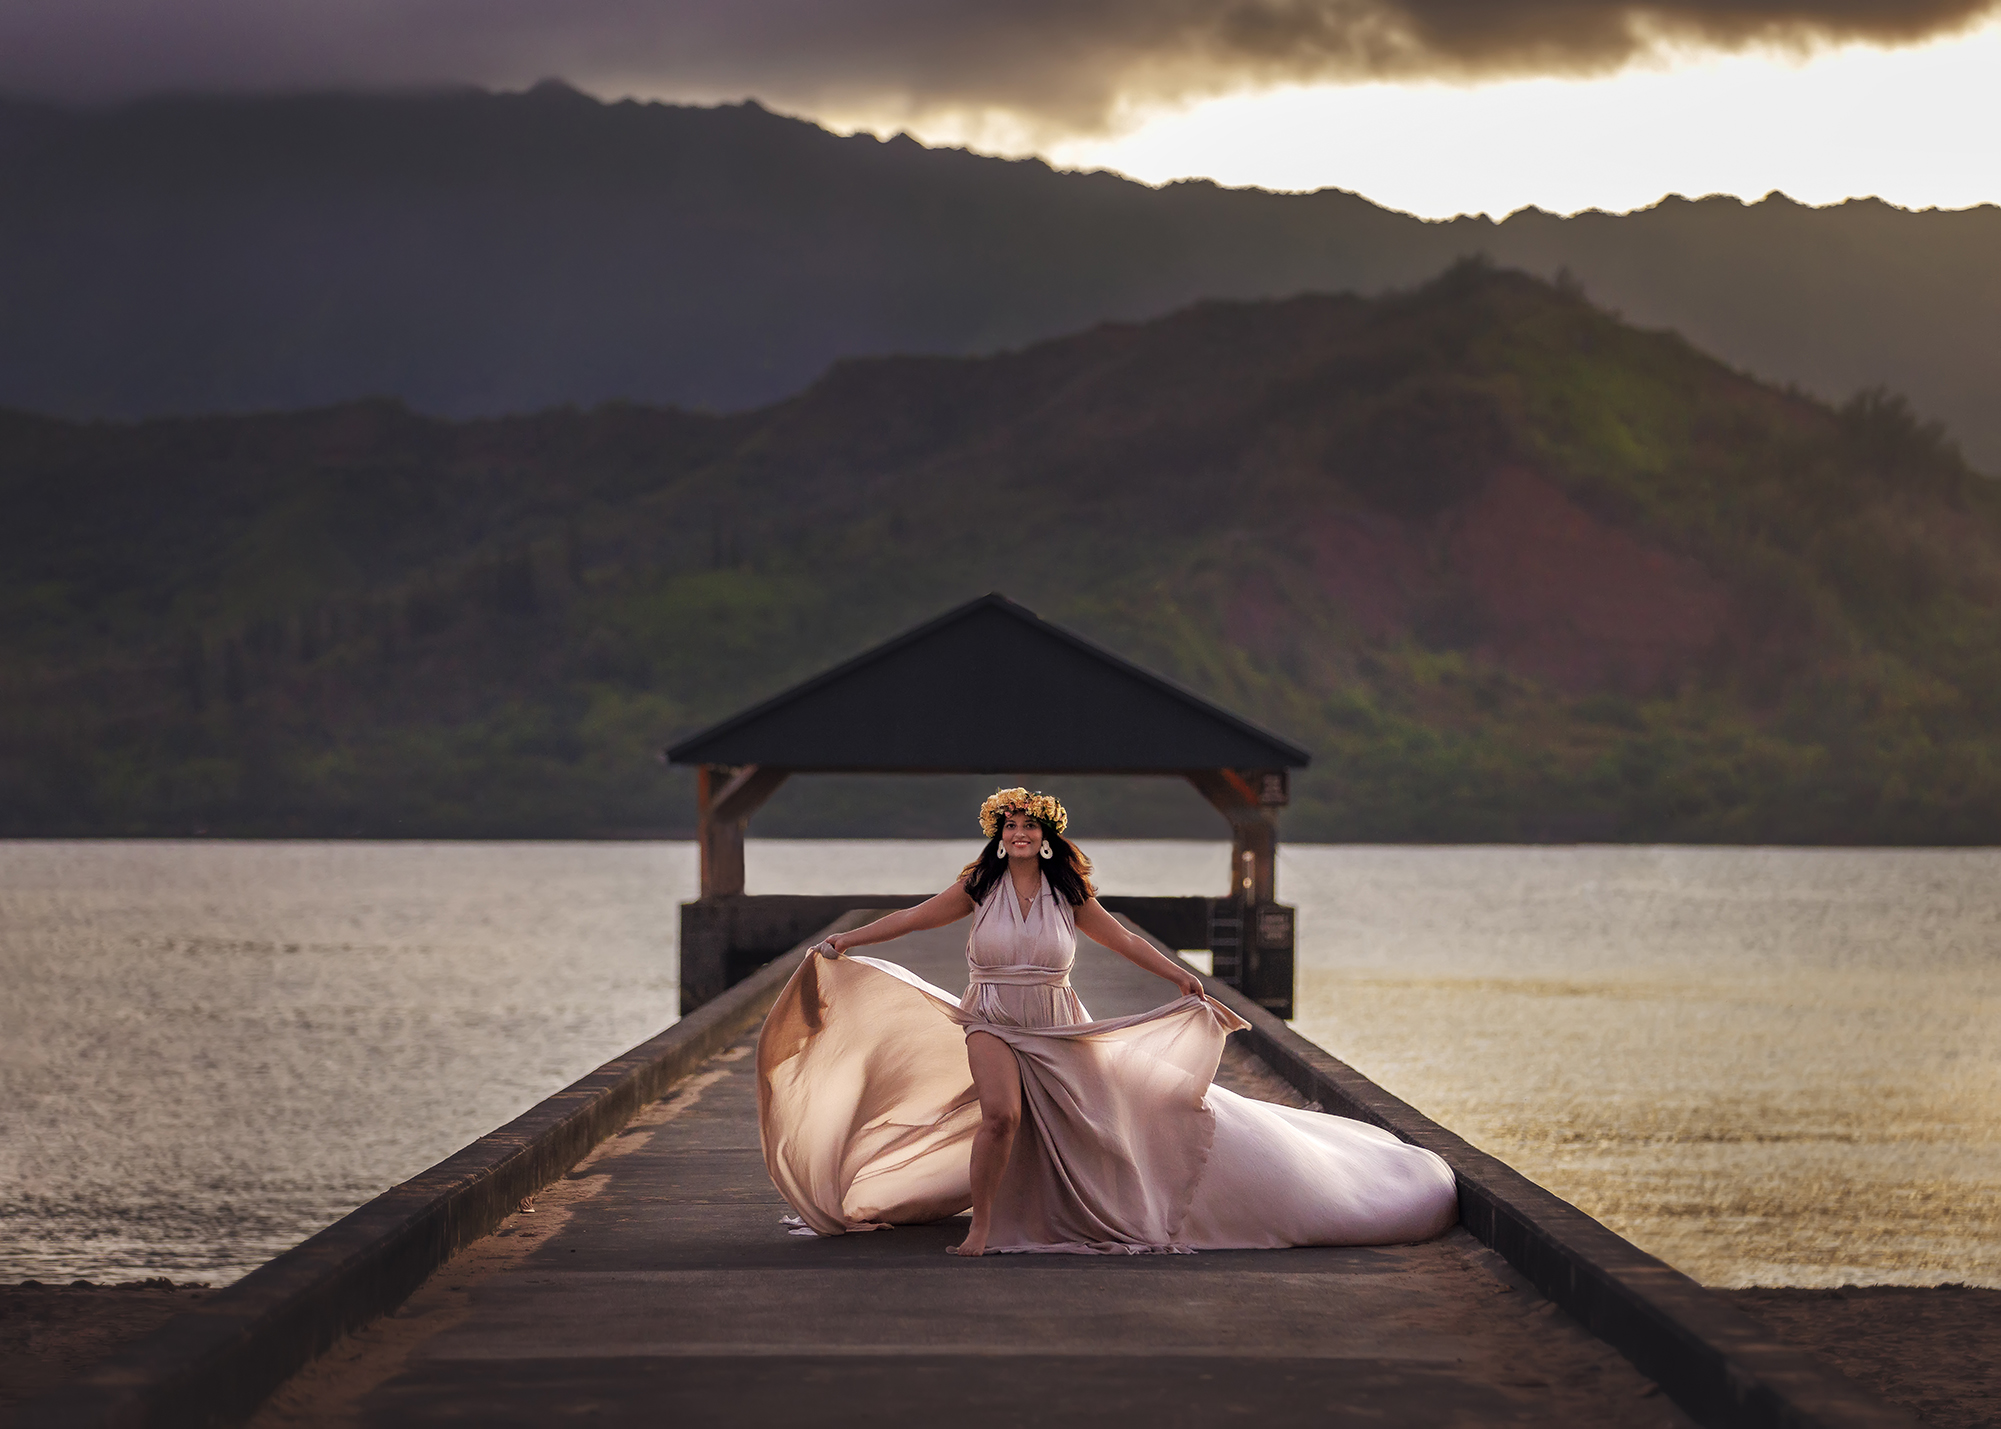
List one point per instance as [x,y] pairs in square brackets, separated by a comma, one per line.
[947,907]
[1101,927]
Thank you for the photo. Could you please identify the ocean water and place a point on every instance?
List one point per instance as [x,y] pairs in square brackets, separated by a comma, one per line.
[1767,1066]
[210,1050]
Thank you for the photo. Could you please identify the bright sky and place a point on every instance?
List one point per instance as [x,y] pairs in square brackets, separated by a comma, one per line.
[1919,127]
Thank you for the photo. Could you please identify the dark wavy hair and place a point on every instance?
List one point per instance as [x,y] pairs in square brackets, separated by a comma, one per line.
[1068,871]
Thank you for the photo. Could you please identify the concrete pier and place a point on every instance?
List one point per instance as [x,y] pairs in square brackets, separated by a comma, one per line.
[653,1283]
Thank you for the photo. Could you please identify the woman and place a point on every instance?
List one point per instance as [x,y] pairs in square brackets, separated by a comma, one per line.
[1062,1134]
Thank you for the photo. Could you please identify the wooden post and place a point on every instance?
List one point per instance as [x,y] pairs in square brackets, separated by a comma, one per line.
[725,799]
[1250,800]
[1252,934]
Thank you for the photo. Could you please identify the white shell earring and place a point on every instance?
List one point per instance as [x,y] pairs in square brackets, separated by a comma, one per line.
[1047,851]
[1000,852]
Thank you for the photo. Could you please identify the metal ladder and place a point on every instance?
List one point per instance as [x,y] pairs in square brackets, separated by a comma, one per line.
[1226,941]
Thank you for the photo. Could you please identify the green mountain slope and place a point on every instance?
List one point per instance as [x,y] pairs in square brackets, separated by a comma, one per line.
[1512,568]
[474,254]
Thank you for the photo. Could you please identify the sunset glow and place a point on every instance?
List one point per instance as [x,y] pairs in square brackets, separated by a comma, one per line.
[1919,127]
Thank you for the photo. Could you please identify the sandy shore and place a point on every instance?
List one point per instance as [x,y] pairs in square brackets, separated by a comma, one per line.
[49,1333]
[1937,1351]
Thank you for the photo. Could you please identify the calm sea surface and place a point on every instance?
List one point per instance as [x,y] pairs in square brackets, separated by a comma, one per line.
[1768,1066]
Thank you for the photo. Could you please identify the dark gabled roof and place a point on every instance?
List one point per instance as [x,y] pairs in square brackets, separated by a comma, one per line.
[989,688]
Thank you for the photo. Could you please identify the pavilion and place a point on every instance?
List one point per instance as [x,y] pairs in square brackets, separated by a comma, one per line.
[929,702]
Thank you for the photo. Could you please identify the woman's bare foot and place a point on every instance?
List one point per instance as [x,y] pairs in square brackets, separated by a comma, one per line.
[975,1243]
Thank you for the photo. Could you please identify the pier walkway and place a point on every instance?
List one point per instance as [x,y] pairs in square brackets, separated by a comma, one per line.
[654,1284]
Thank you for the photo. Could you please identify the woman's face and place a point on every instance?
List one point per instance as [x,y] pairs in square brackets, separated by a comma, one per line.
[1020,835]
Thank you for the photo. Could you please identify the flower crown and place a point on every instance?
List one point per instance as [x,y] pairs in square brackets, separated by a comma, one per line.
[1042,808]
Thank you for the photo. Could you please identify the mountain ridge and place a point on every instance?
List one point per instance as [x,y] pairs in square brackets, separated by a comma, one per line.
[477,253]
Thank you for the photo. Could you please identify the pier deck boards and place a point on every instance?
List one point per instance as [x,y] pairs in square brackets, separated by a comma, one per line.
[654,1284]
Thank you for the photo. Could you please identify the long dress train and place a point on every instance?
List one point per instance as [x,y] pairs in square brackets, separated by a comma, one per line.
[866,1109]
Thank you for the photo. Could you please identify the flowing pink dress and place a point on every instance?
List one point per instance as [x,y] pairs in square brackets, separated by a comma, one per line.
[867,1111]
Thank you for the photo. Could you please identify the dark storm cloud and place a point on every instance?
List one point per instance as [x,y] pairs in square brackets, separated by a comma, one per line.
[1057,62]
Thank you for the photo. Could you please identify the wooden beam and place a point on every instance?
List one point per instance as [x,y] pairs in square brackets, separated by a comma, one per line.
[1226,795]
[1240,793]
[744,794]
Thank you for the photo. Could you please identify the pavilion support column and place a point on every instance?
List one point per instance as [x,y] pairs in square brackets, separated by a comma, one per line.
[1254,860]
[725,799]
[1251,934]
[1250,801]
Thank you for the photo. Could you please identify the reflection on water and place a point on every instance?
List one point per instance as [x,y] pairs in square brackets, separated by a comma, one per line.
[211,1050]
[1767,1066]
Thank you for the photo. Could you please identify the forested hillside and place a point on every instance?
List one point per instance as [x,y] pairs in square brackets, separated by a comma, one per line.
[1510,567]
[479,254]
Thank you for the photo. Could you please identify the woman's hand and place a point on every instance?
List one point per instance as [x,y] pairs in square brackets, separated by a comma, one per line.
[1189,983]
[829,948]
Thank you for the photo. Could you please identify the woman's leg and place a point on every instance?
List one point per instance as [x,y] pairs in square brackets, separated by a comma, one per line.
[998,1080]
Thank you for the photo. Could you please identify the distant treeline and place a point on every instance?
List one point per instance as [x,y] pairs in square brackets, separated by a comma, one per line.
[1511,568]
